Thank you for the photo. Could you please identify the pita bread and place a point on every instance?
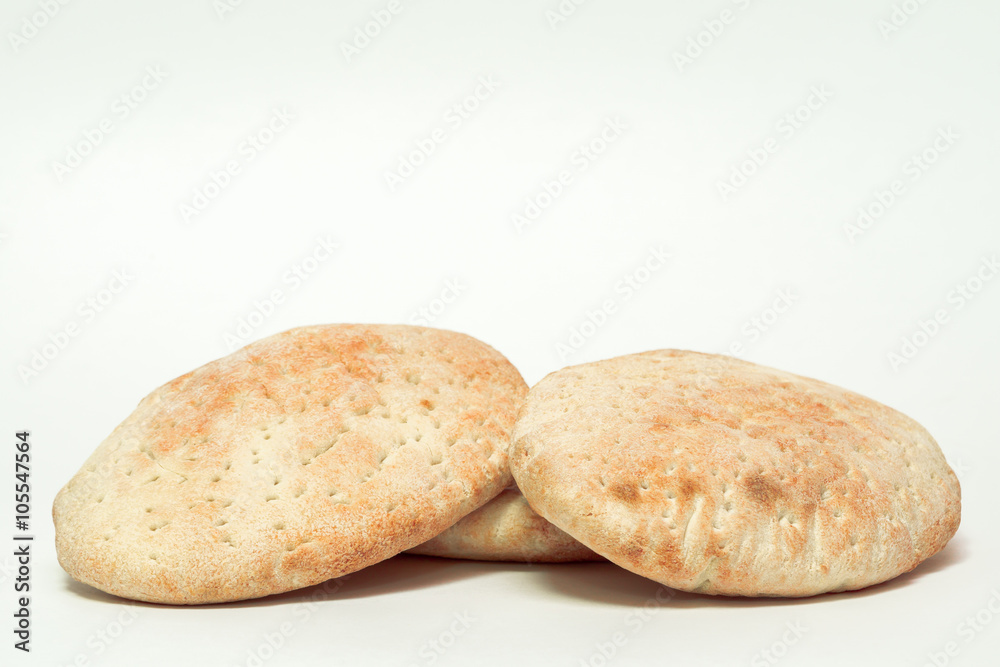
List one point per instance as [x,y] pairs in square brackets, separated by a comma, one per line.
[715,475]
[506,529]
[301,457]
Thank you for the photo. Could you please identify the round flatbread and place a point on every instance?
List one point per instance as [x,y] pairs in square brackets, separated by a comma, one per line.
[506,529]
[301,457]
[715,475]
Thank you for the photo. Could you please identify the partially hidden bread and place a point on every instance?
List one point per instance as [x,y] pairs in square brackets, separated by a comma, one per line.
[506,529]
[715,475]
[301,457]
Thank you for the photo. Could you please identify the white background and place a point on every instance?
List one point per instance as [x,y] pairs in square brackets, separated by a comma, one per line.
[688,126]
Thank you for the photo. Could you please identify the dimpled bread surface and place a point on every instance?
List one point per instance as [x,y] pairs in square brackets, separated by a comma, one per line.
[301,457]
[719,476]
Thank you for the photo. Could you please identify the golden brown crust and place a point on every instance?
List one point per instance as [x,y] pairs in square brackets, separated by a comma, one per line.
[506,529]
[715,475]
[301,457]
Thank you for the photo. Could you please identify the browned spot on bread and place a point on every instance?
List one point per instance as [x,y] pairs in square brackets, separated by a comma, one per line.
[632,551]
[784,443]
[668,557]
[356,354]
[688,487]
[624,491]
[762,489]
